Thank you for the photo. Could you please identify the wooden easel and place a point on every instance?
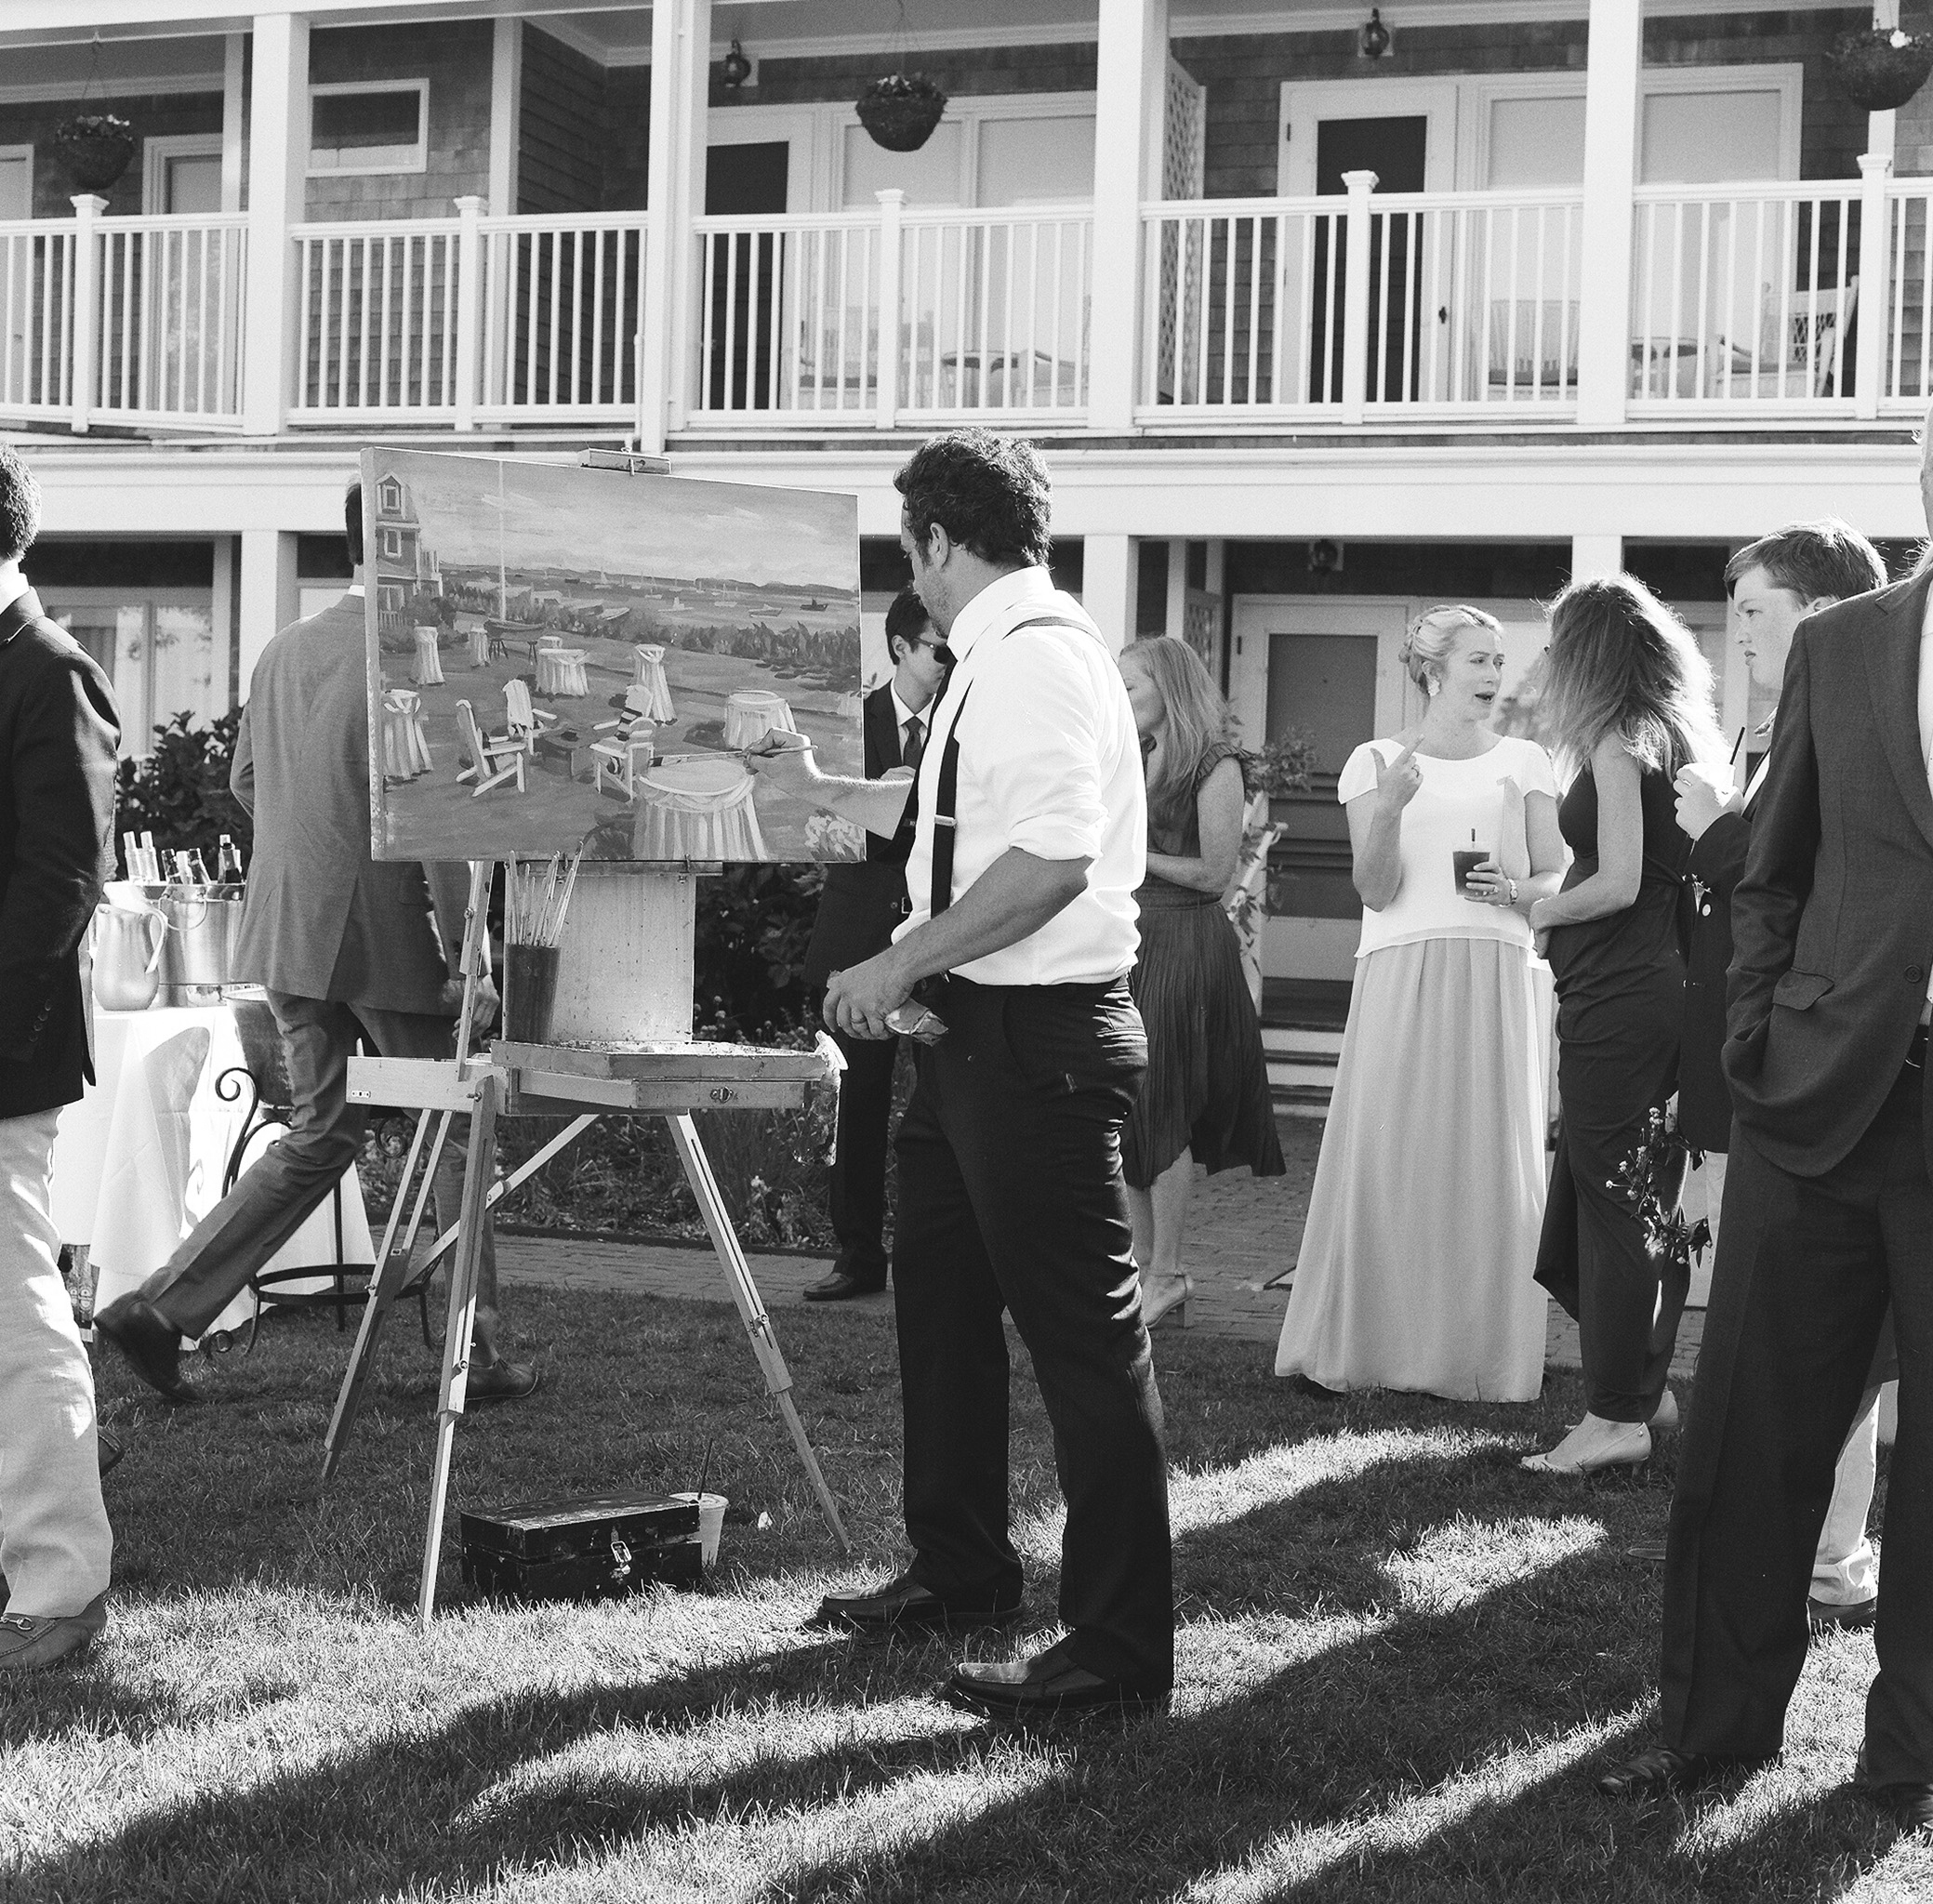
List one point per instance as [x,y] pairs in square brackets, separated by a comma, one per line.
[622,1027]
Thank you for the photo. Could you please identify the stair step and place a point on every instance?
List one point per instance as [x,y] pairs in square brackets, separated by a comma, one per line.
[1312,1077]
[1280,1041]
[1300,1100]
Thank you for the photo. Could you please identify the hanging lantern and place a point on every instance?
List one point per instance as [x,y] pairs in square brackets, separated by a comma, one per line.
[736,68]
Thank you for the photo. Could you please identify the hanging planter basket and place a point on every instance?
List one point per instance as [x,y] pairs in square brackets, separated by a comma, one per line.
[95,147]
[1882,69]
[901,111]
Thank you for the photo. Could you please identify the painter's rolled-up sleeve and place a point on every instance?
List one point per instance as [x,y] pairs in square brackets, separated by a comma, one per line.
[1035,749]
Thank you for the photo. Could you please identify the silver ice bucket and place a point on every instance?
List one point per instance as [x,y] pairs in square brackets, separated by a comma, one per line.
[198,956]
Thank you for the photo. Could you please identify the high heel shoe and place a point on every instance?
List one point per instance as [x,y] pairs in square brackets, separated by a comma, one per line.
[1172,1301]
[1628,1455]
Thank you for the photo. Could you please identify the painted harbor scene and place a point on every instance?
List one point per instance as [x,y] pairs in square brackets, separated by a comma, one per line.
[563,659]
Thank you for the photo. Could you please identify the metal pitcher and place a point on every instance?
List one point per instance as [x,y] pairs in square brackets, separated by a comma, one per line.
[127,947]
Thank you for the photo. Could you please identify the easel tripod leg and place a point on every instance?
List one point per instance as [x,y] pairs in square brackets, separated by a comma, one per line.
[752,1310]
[391,1271]
[477,1171]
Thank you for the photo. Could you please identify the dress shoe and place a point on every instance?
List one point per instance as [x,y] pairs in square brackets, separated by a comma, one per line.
[1171,1298]
[840,1286]
[1048,1687]
[28,1642]
[1658,1771]
[904,1603]
[151,1345]
[1823,1616]
[501,1380]
[1910,1802]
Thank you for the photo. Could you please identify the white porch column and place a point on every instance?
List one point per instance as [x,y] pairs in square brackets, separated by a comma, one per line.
[234,67]
[680,52]
[1593,557]
[278,140]
[1175,617]
[1612,121]
[1131,90]
[221,613]
[1109,570]
[506,97]
[267,598]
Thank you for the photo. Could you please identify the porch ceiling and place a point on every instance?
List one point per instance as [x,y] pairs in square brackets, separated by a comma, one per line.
[618,30]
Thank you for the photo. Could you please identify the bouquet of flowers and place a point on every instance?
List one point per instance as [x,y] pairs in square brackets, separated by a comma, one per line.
[1652,1181]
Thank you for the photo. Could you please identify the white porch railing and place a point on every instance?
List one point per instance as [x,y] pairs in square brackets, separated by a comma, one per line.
[470,320]
[1464,300]
[984,312]
[1745,296]
[134,319]
[36,308]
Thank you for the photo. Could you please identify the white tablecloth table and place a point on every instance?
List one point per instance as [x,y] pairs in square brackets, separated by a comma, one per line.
[138,1161]
[429,665]
[649,675]
[752,713]
[405,741]
[696,809]
[560,672]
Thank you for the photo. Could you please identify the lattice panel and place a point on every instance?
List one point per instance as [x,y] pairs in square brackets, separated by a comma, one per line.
[1183,174]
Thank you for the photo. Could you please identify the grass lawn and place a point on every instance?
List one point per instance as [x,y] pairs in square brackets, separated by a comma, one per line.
[1400,1660]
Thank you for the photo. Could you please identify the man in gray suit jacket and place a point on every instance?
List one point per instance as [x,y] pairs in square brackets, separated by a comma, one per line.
[349,948]
[1828,1217]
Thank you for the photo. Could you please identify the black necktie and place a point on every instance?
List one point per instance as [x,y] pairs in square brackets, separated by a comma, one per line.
[915,744]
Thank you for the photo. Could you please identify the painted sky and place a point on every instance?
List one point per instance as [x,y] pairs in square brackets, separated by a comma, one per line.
[559,516]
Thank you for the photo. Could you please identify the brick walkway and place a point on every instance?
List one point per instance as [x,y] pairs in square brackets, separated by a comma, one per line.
[1243,1232]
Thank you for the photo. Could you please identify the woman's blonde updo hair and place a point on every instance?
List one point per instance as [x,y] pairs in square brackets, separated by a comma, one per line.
[1431,637]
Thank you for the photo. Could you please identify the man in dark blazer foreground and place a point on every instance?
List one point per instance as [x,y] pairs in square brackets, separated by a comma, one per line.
[1828,1218]
[859,909]
[1774,584]
[58,735]
[350,949]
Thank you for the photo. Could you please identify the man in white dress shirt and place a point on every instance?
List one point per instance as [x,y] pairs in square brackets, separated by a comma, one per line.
[1029,842]
[1828,1217]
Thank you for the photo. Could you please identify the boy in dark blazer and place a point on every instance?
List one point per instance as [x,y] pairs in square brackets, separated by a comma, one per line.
[1774,584]
[59,732]
[858,909]
[1828,1220]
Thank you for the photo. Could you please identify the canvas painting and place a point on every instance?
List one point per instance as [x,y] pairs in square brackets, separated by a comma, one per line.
[565,659]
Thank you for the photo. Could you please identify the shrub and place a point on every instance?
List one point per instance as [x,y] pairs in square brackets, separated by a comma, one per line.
[179,791]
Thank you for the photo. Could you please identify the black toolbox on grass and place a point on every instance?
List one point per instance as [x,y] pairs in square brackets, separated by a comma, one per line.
[595,1548]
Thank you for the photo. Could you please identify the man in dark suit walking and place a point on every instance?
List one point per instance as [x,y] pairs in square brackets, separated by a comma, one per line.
[58,735]
[349,948]
[1774,584]
[1828,1218]
[859,909]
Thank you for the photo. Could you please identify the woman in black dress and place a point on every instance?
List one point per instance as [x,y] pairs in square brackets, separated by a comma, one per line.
[1206,1100]
[1627,703]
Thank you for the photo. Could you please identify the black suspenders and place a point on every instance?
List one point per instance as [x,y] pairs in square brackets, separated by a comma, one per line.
[947,789]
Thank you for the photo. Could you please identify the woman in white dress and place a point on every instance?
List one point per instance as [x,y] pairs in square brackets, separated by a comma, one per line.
[1423,1228]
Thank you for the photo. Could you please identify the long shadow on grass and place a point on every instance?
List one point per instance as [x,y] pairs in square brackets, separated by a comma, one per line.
[1372,1718]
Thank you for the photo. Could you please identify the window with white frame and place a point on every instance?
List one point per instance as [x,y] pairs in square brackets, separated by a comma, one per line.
[369,125]
[392,544]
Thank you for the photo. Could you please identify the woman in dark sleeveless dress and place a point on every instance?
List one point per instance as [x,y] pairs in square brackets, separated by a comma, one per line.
[1206,1100]
[1627,703]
